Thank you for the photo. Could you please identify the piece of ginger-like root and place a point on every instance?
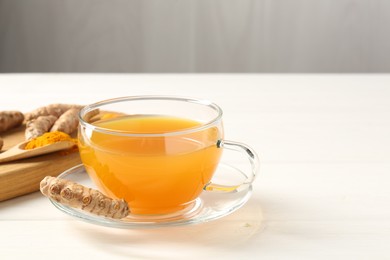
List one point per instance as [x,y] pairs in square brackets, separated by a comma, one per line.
[53,109]
[39,126]
[78,196]
[67,122]
[10,119]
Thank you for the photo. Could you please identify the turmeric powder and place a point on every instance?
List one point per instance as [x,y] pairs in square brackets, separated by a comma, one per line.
[78,196]
[49,138]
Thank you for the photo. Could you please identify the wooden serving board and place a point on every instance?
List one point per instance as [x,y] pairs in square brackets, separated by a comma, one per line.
[23,176]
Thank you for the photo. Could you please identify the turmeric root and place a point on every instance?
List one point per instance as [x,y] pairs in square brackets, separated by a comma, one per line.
[53,109]
[78,196]
[90,116]
[39,126]
[10,119]
[67,122]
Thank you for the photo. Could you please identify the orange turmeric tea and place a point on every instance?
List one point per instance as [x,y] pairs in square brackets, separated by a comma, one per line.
[156,173]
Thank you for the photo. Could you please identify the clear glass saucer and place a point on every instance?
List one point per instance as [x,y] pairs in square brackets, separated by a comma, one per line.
[209,206]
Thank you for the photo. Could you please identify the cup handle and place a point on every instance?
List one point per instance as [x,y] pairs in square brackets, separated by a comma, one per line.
[250,177]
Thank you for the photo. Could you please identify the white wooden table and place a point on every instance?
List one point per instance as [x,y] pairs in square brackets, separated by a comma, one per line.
[322,192]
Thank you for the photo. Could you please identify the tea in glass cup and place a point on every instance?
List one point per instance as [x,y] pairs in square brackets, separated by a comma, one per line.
[158,153]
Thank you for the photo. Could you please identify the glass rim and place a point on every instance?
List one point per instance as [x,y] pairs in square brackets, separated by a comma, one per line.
[207,103]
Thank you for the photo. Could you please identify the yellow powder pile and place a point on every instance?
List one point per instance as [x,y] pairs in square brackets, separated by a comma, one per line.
[49,138]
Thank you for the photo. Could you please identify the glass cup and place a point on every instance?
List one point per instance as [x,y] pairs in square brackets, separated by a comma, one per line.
[158,153]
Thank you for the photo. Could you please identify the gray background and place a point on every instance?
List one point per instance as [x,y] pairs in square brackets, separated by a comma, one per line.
[194,36]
